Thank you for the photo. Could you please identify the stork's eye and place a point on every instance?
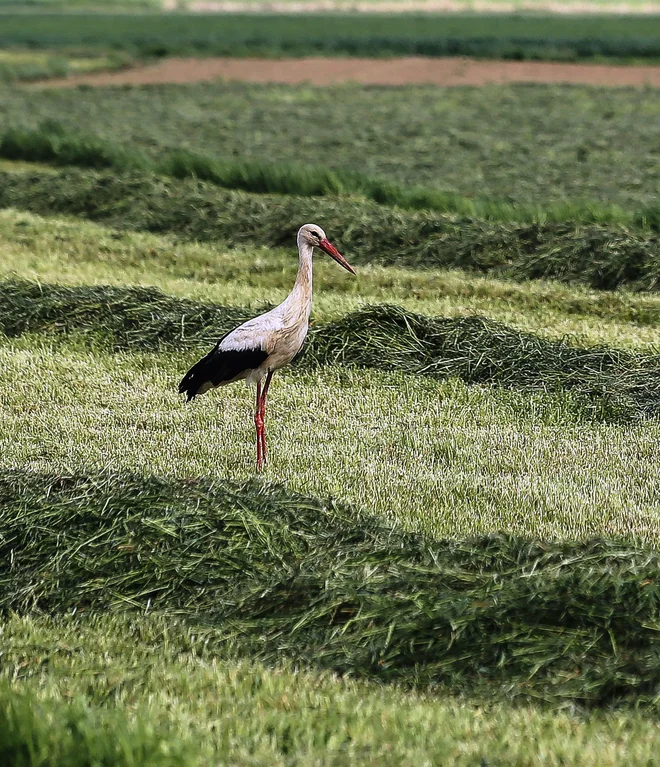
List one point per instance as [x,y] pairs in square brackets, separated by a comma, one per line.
[317,234]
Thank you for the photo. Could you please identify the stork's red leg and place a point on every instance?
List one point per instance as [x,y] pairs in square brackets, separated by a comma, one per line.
[264,394]
[259,425]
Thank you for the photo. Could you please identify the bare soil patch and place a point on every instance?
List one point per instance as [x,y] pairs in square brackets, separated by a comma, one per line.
[401,71]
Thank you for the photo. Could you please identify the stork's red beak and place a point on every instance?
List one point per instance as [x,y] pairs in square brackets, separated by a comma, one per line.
[329,248]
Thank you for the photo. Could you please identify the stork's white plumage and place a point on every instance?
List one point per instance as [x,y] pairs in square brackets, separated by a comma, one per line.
[259,347]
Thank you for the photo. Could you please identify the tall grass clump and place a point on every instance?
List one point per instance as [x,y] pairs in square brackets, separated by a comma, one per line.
[602,256]
[52,732]
[52,144]
[255,177]
[270,574]
[608,384]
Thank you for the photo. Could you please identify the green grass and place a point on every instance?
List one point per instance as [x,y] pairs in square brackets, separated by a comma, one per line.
[22,65]
[52,144]
[51,732]
[207,710]
[279,576]
[506,36]
[599,256]
[524,146]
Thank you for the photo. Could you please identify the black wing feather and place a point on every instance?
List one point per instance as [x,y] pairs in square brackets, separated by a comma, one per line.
[219,367]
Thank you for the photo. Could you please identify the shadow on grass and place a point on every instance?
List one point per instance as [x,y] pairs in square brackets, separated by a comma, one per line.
[270,574]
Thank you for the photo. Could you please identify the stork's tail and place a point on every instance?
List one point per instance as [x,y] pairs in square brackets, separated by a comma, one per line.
[198,379]
[220,366]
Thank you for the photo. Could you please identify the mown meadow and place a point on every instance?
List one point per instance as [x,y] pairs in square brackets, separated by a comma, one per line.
[452,554]
[546,148]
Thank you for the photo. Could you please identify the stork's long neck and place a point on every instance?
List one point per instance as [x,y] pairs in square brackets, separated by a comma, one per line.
[300,298]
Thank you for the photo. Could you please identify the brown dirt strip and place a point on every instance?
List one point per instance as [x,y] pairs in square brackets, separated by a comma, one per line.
[402,71]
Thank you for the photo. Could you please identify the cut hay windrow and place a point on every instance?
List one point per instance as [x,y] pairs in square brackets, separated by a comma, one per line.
[608,384]
[272,575]
[53,144]
[132,318]
[603,257]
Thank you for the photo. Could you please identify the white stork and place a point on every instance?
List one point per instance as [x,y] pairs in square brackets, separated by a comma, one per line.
[260,346]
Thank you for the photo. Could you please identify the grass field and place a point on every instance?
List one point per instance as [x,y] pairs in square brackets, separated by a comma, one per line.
[85,394]
[520,145]
[452,554]
[514,36]
[20,65]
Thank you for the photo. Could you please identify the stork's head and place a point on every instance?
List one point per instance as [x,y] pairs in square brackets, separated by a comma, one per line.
[311,234]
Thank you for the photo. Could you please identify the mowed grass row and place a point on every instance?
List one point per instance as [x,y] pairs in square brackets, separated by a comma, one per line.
[507,36]
[167,699]
[520,147]
[600,256]
[53,144]
[443,457]
[76,252]
[605,384]
[265,573]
